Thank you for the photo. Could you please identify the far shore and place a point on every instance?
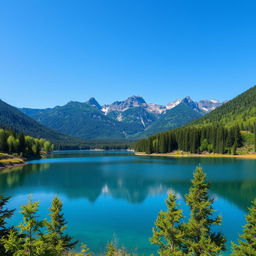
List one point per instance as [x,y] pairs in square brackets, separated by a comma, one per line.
[184,154]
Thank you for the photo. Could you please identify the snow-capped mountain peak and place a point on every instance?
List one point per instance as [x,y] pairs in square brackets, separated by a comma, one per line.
[173,104]
[209,105]
[138,101]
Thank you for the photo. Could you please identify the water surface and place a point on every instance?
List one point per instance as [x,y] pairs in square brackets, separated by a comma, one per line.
[116,196]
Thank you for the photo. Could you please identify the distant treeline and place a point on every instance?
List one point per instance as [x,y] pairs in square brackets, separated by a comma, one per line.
[87,147]
[212,139]
[25,146]
[111,144]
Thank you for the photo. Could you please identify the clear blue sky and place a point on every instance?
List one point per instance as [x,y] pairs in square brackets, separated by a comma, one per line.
[53,51]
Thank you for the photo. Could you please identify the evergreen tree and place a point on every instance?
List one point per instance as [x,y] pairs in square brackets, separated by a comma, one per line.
[22,145]
[59,242]
[29,242]
[111,250]
[254,136]
[200,238]
[247,246]
[168,233]
[3,141]
[5,214]
[204,145]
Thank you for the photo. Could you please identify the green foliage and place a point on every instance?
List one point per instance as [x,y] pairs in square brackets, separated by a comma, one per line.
[136,119]
[5,214]
[169,233]
[201,240]
[13,119]
[11,142]
[79,120]
[241,111]
[195,237]
[247,244]
[112,250]
[28,242]
[87,121]
[204,146]
[58,241]
[215,139]
[254,137]
[37,237]
[222,129]
[174,236]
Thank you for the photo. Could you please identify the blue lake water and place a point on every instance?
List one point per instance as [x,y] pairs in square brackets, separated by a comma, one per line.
[116,196]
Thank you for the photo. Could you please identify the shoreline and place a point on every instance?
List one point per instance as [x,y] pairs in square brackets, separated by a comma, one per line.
[11,165]
[8,161]
[186,155]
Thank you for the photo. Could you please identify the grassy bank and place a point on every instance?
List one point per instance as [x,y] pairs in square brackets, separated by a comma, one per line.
[8,161]
[187,154]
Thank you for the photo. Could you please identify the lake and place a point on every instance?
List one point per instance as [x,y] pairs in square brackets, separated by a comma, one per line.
[110,195]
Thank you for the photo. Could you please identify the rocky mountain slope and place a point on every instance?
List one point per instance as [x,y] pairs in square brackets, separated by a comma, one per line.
[131,118]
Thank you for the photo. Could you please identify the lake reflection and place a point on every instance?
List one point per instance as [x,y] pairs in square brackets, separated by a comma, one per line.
[116,195]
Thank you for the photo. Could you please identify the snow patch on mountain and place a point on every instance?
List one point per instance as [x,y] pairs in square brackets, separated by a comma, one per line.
[173,104]
[156,109]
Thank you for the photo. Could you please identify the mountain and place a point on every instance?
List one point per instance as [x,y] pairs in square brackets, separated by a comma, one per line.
[13,119]
[209,105]
[94,103]
[178,116]
[134,101]
[77,119]
[238,111]
[202,105]
[229,129]
[131,118]
[135,119]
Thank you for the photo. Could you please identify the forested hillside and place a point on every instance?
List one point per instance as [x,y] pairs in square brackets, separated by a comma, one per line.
[217,132]
[13,119]
[25,146]
[240,111]
[212,139]
[79,120]
[132,118]
[173,118]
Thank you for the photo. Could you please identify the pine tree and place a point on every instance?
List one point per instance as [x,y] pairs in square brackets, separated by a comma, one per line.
[21,146]
[4,215]
[28,242]
[111,250]
[59,242]
[200,239]
[254,136]
[168,233]
[3,141]
[247,246]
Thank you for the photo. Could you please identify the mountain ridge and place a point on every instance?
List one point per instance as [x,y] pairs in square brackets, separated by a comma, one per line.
[13,119]
[125,119]
[229,129]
